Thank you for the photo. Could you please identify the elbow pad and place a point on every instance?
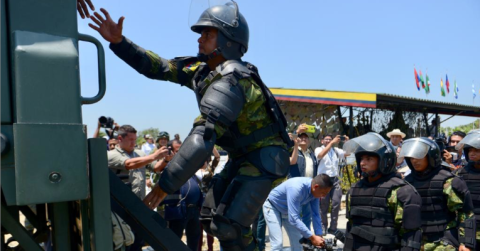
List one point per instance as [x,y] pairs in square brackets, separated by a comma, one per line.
[193,153]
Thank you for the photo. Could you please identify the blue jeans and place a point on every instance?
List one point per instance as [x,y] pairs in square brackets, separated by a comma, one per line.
[275,220]
[261,229]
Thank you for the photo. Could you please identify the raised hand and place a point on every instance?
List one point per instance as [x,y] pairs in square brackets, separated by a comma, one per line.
[110,31]
[83,9]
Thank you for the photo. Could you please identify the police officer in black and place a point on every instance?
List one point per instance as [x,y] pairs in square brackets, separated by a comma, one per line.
[383,210]
[471,172]
[448,222]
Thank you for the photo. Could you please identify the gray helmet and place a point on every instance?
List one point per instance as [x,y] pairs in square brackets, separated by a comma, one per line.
[373,144]
[418,148]
[471,140]
[232,39]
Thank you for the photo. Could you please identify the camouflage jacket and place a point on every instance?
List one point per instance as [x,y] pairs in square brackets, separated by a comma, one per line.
[181,71]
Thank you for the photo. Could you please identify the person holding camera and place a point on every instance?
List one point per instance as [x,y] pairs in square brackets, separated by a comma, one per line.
[454,157]
[328,158]
[110,127]
[284,208]
[129,162]
[305,166]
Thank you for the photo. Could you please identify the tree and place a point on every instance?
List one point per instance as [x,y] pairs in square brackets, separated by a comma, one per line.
[464,128]
[141,136]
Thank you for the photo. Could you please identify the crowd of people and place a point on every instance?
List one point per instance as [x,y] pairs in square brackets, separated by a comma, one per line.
[273,180]
[311,190]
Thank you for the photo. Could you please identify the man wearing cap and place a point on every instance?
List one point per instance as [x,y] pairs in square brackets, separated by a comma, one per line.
[237,112]
[148,146]
[396,137]
[328,157]
[306,166]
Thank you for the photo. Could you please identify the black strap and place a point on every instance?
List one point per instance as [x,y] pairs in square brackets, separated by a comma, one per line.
[120,226]
[212,118]
[373,235]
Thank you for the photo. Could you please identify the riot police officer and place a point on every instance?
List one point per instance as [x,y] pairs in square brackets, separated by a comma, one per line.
[238,113]
[448,221]
[471,172]
[383,210]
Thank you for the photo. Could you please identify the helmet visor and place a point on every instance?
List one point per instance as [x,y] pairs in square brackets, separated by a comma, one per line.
[198,7]
[370,142]
[472,139]
[415,148]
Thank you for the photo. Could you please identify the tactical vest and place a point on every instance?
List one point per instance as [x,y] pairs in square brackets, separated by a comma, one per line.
[472,179]
[435,213]
[232,71]
[371,218]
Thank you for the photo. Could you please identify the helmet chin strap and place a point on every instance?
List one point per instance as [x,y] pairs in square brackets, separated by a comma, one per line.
[204,58]
[372,174]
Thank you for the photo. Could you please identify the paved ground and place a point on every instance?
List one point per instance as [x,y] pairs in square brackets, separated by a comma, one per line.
[342,223]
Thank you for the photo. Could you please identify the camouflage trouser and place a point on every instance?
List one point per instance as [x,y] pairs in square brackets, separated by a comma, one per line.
[437,246]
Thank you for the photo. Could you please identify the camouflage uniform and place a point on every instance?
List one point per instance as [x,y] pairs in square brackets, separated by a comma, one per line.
[253,115]
[400,196]
[455,204]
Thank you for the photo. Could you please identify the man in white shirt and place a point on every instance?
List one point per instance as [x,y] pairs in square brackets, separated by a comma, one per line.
[148,146]
[328,158]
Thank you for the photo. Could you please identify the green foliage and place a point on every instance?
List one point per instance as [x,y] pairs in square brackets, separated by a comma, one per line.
[348,178]
[152,131]
[464,128]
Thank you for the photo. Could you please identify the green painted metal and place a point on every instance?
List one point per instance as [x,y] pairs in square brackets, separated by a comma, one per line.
[16,229]
[46,78]
[61,226]
[102,84]
[53,167]
[148,223]
[6,110]
[100,212]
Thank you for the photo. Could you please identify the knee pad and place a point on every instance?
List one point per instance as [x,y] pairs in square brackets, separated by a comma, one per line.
[247,200]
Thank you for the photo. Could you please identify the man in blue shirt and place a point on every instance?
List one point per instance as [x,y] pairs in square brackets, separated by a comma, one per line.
[284,207]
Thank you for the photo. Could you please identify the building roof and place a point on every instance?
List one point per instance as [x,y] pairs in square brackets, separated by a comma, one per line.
[374,100]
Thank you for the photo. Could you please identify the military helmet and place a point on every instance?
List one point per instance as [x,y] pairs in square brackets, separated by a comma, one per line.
[373,144]
[163,134]
[418,148]
[471,140]
[232,39]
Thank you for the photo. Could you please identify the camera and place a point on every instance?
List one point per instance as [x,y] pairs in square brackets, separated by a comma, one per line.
[106,122]
[342,138]
[330,245]
[441,144]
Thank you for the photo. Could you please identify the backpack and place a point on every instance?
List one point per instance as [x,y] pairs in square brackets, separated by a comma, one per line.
[121,233]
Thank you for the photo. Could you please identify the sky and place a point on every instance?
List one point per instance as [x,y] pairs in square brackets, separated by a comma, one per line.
[361,46]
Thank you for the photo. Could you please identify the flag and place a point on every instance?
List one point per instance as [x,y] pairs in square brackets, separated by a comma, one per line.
[416,78]
[473,91]
[421,80]
[427,84]
[447,83]
[455,89]
[442,90]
